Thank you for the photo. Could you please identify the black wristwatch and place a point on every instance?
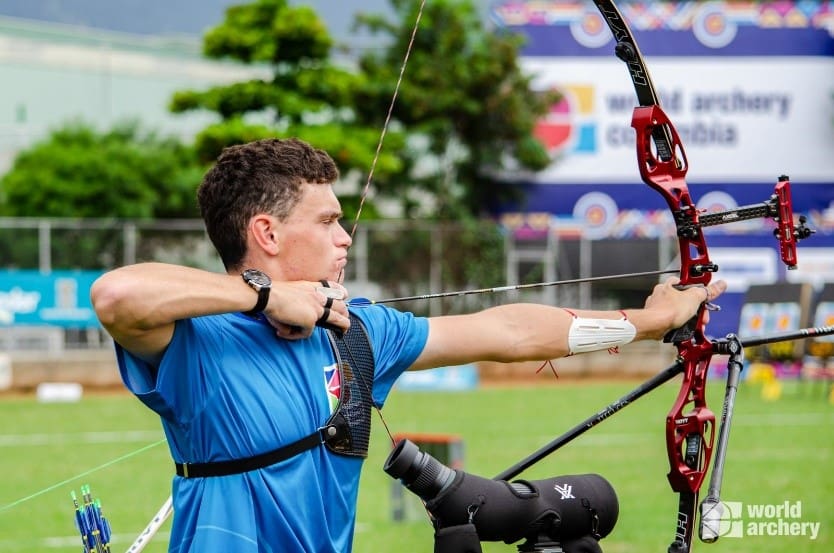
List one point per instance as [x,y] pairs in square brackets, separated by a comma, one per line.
[262,284]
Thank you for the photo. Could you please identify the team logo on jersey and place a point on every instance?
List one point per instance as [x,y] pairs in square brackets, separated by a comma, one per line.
[333,385]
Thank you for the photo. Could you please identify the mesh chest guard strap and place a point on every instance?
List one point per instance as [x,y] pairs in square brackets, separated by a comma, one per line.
[348,430]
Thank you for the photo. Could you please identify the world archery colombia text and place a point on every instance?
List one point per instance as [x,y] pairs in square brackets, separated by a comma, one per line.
[707,110]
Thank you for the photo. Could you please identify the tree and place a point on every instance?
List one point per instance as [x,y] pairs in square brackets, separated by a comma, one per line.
[121,173]
[307,95]
[464,116]
[462,121]
[468,108]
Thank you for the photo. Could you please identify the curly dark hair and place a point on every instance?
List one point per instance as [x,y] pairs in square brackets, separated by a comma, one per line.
[264,176]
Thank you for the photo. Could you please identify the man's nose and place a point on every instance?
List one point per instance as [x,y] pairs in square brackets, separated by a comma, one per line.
[343,238]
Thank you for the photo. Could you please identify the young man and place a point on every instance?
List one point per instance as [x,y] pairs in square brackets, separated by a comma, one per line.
[238,366]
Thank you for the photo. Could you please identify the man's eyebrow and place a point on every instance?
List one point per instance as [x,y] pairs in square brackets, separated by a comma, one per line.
[335,214]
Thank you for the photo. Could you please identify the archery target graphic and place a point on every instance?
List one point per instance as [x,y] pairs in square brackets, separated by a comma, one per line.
[824,316]
[711,26]
[716,201]
[569,126]
[591,30]
[784,316]
[598,212]
[758,318]
[754,319]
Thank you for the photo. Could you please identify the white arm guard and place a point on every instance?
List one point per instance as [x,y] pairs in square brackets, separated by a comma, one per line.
[596,334]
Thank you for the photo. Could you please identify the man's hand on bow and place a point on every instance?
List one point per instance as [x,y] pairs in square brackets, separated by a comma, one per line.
[679,306]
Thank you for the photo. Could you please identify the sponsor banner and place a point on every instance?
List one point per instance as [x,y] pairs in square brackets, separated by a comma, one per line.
[817,265]
[742,267]
[746,84]
[637,211]
[737,123]
[60,298]
[733,28]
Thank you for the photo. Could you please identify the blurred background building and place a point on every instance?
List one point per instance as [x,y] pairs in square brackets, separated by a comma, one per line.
[102,62]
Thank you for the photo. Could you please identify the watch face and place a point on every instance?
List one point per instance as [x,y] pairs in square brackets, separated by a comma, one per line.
[256,278]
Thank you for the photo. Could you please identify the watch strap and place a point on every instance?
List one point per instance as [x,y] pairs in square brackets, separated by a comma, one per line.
[263,299]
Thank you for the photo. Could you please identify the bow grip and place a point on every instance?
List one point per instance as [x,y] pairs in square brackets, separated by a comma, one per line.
[689,448]
[683,333]
[687,331]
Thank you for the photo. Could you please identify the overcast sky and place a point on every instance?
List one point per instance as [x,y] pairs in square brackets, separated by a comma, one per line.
[190,17]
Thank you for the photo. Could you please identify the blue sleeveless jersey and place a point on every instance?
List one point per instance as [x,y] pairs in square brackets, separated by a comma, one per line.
[228,388]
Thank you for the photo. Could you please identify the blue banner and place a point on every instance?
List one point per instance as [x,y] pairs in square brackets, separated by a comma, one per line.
[730,28]
[60,298]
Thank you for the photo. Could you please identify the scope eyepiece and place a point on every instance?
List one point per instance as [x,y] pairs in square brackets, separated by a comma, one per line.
[419,472]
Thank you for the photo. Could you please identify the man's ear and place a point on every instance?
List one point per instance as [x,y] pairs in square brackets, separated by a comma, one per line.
[264,231]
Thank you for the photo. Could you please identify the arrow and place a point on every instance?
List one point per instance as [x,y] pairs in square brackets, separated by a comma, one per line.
[364,302]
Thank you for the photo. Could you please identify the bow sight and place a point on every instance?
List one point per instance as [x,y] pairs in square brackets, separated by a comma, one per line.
[779,208]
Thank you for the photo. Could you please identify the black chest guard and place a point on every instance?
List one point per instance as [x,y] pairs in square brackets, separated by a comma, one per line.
[347,431]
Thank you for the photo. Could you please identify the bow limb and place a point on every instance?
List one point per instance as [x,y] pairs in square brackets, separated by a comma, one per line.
[663,165]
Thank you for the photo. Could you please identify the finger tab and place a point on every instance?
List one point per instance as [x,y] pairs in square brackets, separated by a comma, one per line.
[331,293]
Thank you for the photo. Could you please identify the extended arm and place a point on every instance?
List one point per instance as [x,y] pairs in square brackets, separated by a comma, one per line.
[525,332]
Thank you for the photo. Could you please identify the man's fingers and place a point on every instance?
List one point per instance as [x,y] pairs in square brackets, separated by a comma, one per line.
[332,298]
[333,320]
[717,288]
[291,332]
[301,313]
[324,316]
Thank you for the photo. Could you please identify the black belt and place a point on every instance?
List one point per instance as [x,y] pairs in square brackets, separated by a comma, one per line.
[237,466]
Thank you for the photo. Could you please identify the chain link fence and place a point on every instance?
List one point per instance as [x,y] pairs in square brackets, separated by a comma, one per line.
[388,259]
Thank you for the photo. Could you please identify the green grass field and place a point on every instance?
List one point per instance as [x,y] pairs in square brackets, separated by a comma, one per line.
[779,451]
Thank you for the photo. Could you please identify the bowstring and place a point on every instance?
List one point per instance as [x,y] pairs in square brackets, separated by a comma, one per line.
[387,121]
[81,475]
[368,386]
